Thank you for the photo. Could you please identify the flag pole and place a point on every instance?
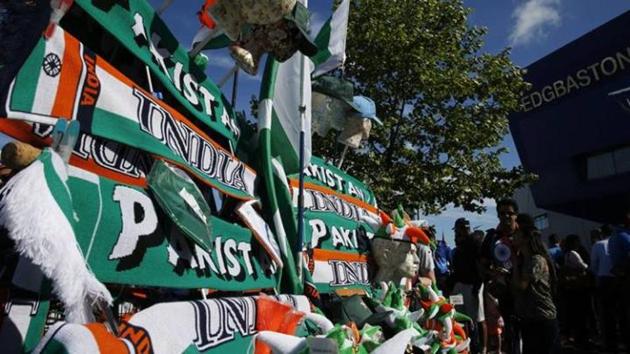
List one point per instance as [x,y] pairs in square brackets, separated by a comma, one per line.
[234,88]
[301,163]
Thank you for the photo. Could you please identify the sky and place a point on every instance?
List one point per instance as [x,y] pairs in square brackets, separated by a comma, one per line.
[533,28]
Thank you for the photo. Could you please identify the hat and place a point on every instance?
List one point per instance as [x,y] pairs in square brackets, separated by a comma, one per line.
[461,221]
[301,18]
[366,108]
[335,87]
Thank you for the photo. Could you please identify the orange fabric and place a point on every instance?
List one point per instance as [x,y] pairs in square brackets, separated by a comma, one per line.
[416,235]
[107,342]
[325,255]
[272,315]
[23,132]
[203,15]
[138,336]
[316,187]
[92,166]
[69,79]
[459,330]
[345,292]
[385,219]
[291,322]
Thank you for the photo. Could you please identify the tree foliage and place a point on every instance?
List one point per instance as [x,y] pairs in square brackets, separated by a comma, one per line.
[444,104]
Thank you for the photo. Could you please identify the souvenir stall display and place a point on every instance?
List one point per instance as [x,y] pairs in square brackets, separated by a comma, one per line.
[132,221]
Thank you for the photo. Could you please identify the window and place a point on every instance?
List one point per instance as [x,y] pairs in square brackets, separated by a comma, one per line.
[609,163]
[541,221]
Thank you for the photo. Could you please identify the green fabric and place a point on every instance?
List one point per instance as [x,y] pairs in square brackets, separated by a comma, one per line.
[121,19]
[218,42]
[341,233]
[322,173]
[126,240]
[26,79]
[178,195]
[290,281]
[148,126]
[321,41]
[38,321]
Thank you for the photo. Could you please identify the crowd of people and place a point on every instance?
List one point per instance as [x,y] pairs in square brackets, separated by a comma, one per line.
[527,293]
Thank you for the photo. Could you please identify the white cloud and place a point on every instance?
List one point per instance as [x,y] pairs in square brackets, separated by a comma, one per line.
[533,19]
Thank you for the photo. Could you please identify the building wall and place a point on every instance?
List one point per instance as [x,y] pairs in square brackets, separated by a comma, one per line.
[560,224]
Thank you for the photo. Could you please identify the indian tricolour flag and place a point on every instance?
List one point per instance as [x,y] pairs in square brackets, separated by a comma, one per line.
[50,89]
[331,41]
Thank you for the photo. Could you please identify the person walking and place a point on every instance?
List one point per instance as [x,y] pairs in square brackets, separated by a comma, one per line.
[619,248]
[555,252]
[533,281]
[601,267]
[467,283]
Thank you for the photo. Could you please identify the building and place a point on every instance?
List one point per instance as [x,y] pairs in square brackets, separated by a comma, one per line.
[551,222]
[573,130]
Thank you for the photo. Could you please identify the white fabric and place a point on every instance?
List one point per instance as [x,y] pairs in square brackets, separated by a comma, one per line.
[574,261]
[398,343]
[337,41]
[74,338]
[287,102]
[42,233]
[473,301]
[601,263]
[174,326]
[281,343]
[427,264]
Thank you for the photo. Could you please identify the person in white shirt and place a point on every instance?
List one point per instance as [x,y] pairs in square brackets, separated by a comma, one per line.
[601,266]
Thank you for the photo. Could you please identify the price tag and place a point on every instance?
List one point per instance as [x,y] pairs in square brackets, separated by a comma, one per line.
[456,299]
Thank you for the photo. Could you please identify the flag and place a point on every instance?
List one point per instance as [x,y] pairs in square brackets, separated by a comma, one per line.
[275,141]
[331,41]
[63,79]
[36,209]
[279,109]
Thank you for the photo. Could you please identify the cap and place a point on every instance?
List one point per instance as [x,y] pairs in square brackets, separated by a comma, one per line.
[461,221]
[335,87]
[300,16]
[366,108]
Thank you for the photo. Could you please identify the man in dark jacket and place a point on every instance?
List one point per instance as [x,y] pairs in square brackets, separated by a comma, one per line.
[495,260]
[468,283]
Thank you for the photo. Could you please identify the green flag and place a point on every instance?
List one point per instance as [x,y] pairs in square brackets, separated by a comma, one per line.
[331,41]
[180,198]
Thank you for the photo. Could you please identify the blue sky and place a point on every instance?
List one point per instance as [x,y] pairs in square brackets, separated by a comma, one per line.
[534,28]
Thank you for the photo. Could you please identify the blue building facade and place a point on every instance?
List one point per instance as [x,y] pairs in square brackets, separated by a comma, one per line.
[573,129]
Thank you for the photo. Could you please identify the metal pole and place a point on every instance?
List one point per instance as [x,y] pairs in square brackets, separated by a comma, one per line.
[235,88]
[343,156]
[148,72]
[300,230]
[300,236]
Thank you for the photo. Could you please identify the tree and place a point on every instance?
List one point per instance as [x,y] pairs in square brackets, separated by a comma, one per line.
[444,105]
